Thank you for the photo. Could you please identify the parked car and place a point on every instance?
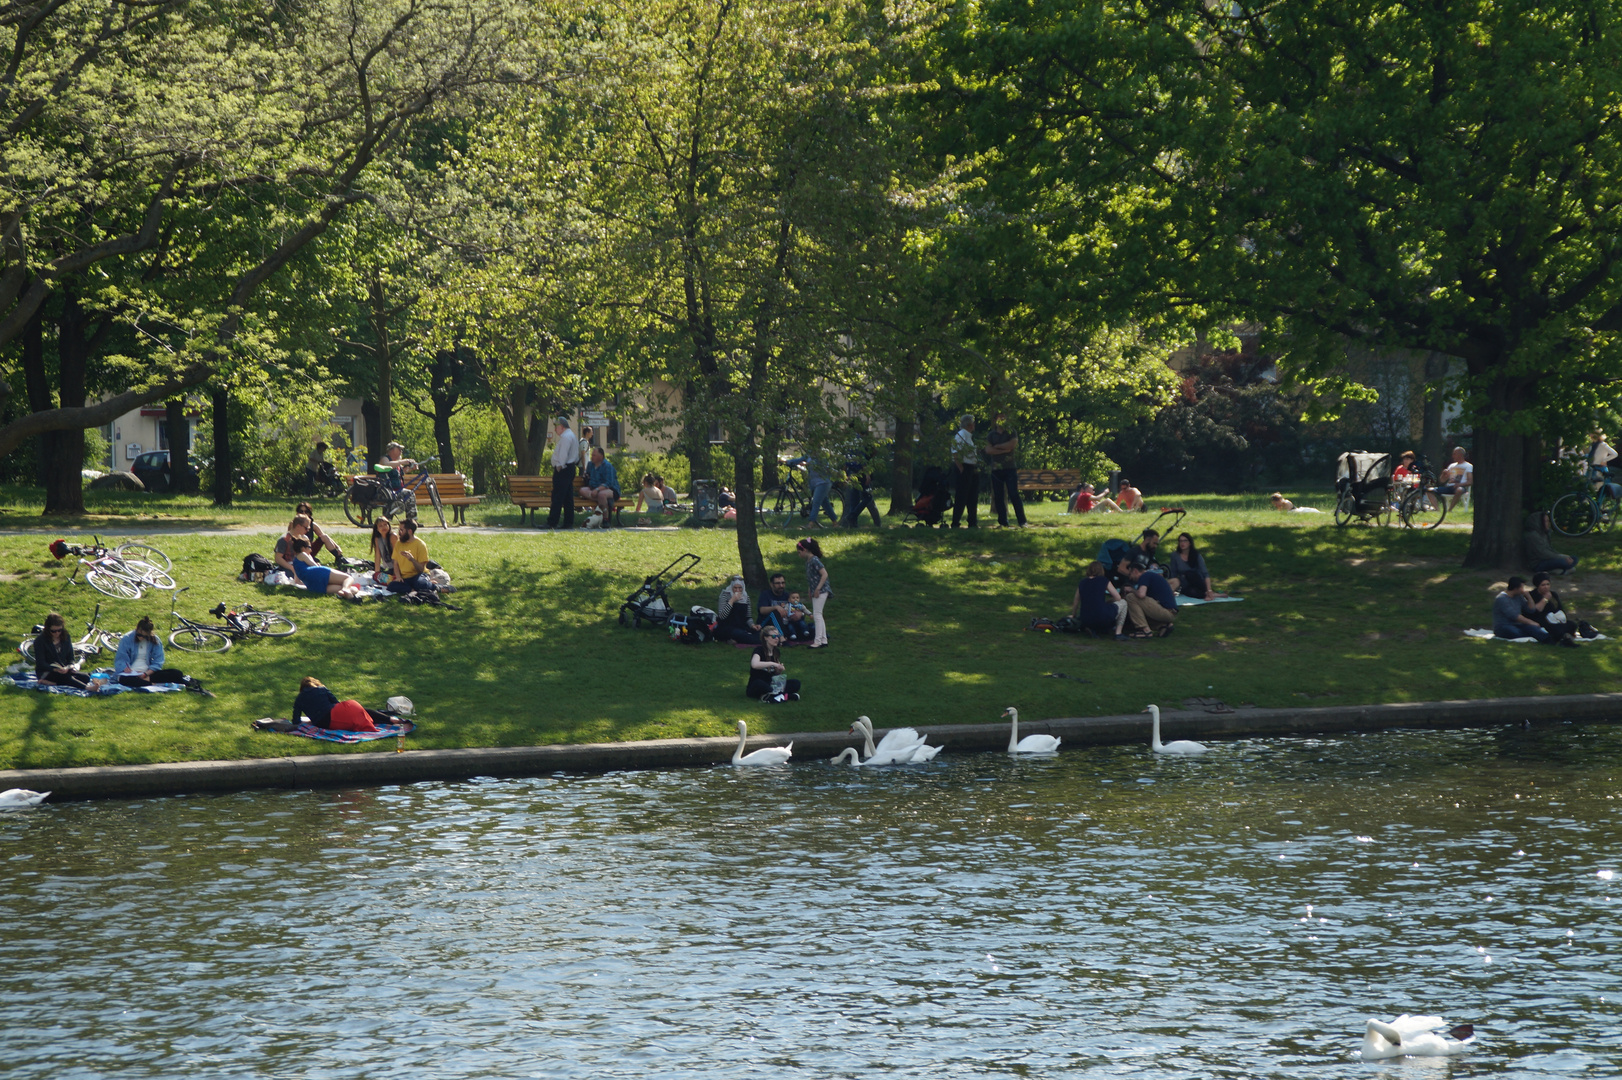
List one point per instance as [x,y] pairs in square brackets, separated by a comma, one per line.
[152,469]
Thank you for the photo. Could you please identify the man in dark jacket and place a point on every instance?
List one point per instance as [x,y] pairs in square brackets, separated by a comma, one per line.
[1541,557]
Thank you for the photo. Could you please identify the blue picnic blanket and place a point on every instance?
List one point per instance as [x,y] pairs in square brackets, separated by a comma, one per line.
[1192,601]
[27,681]
[384,731]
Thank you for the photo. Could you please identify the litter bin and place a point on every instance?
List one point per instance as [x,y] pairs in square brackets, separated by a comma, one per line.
[706,502]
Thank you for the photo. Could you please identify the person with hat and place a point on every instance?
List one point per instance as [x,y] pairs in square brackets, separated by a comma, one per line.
[565,460]
[393,457]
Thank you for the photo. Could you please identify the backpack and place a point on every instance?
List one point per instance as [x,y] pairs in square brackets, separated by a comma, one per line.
[255,567]
[1042,624]
[691,629]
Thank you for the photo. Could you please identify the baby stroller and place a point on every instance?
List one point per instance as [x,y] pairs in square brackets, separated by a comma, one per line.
[1363,487]
[934,499]
[650,602]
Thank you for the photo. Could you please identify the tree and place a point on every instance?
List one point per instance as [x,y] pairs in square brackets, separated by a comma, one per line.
[1440,178]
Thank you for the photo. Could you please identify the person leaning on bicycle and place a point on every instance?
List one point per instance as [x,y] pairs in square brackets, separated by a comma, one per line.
[393,457]
[1600,456]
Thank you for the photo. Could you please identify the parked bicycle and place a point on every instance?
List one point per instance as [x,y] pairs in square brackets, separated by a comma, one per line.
[94,641]
[785,499]
[1578,513]
[124,572]
[234,626]
[369,495]
[1420,506]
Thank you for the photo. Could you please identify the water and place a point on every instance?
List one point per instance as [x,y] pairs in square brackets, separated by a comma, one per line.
[1099,914]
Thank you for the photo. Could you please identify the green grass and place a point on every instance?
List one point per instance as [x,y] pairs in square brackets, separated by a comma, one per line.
[926,626]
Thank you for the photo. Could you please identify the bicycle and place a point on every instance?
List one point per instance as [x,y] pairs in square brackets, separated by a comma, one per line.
[367,495]
[94,641]
[1578,513]
[124,572]
[193,636]
[785,499]
[1416,509]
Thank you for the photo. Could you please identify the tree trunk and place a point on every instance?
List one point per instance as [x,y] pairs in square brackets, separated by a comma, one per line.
[379,318]
[538,431]
[1431,443]
[694,441]
[64,469]
[40,397]
[374,445]
[771,445]
[220,406]
[1498,492]
[180,474]
[515,410]
[901,500]
[442,437]
[752,565]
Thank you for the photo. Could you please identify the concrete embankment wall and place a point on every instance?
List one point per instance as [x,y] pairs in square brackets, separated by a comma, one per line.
[377,763]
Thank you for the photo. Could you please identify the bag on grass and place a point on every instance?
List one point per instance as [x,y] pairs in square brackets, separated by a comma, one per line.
[255,567]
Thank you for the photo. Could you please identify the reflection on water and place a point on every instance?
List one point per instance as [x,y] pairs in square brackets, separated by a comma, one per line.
[1102,913]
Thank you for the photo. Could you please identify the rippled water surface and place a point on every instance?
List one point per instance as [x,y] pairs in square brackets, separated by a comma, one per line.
[1098,914]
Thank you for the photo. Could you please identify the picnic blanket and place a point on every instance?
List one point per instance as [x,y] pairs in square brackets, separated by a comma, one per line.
[308,730]
[27,681]
[1192,601]
[1489,634]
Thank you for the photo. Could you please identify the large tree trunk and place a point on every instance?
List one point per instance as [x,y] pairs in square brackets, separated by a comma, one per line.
[1431,443]
[515,411]
[752,565]
[374,445]
[771,445]
[64,470]
[224,471]
[38,387]
[539,429]
[442,437]
[180,475]
[379,318]
[1498,492]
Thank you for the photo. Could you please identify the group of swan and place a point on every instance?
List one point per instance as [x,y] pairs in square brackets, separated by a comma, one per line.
[902,746]
[1414,1036]
[17,798]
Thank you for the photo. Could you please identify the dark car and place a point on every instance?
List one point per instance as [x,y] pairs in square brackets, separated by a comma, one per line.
[152,469]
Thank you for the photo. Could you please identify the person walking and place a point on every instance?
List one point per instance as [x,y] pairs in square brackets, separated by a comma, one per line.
[816,576]
[1002,446]
[966,460]
[565,459]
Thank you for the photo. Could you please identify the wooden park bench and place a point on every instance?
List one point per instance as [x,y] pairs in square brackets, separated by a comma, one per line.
[1065,480]
[533,493]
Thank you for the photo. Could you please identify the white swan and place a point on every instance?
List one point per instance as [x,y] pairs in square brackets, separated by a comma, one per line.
[896,739]
[894,755]
[1030,744]
[16,798]
[1414,1036]
[1178,746]
[770,755]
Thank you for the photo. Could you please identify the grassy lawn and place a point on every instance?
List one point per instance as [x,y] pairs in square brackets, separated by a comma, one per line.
[926,627]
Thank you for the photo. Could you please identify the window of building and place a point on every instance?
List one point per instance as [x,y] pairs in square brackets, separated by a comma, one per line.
[163,433]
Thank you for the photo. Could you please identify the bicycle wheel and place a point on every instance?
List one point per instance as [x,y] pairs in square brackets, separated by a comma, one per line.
[439,507]
[26,647]
[1572,514]
[149,574]
[1344,508]
[145,553]
[358,513]
[267,623]
[200,639]
[1420,512]
[114,585]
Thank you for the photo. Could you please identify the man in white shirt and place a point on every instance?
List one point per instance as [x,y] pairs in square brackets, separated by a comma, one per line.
[966,460]
[565,460]
[1456,478]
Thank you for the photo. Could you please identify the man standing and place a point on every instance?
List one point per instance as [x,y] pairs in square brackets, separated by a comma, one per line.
[967,463]
[565,459]
[1001,446]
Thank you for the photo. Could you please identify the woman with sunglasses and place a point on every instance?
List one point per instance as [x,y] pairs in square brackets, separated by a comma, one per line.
[54,662]
[139,661]
[765,664]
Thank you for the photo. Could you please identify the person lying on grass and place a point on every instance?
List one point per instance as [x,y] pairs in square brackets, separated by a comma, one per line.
[322,708]
[139,661]
[318,578]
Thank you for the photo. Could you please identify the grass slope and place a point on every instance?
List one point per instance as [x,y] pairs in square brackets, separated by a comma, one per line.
[926,627]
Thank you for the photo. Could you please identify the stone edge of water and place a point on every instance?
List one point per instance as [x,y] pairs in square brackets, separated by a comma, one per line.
[379,764]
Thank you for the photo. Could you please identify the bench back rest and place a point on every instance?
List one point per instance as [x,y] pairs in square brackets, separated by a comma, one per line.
[450,485]
[1054,478]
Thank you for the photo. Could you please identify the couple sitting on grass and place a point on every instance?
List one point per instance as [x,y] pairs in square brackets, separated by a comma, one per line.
[1145,598]
[138,662]
[1536,614]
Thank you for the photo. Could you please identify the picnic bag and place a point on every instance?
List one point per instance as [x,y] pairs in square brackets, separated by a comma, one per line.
[255,567]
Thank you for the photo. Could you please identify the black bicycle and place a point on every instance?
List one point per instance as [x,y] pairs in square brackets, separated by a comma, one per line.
[369,496]
[234,626]
[784,500]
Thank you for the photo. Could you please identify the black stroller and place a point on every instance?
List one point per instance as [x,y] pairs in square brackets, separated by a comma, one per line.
[1363,487]
[934,499]
[649,603]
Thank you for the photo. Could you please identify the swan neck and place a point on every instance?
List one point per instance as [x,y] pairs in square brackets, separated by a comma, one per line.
[1013,729]
[743,734]
[1154,732]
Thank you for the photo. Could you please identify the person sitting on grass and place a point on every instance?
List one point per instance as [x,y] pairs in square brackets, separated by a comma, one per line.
[1086,502]
[410,561]
[1512,616]
[766,665]
[781,609]
[382,549]
[651,496]
[670,494]
[1097,606]
[318,538]
[1150,604]
[1127,497]
[1541,557]
[282,553]
[732,621]
[1188,568]
[54,662]
[321,708]
[1543,606]
[318,578]
[602,486]
[139,661]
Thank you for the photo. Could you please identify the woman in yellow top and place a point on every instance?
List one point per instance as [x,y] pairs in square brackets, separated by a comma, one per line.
[410,561]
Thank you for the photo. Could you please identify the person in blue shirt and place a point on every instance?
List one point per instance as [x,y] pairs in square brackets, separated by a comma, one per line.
[602,484]
[139,660]
[822,486]
[1151,606]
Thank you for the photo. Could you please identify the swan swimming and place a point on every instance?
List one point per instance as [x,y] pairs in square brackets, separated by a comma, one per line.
[903,754]
[770,755]
[16,798]
[895,739]
[1414,1036]
[1178,746]
[1030,744]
